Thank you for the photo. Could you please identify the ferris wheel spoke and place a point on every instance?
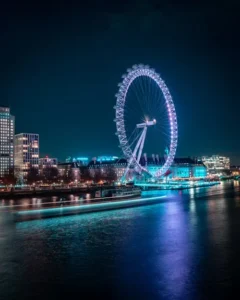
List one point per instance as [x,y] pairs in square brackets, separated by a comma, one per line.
[145,94]
[164,133]
[138,97]
[132,110]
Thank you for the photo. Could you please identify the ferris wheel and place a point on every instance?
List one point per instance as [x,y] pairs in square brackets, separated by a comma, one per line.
[145,119]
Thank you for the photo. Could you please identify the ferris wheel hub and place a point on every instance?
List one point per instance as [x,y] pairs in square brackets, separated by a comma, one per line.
[147,124]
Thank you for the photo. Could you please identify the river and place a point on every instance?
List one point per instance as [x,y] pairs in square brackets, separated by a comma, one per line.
[185,247]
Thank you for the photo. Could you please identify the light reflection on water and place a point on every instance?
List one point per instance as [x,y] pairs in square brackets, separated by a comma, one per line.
[186,247]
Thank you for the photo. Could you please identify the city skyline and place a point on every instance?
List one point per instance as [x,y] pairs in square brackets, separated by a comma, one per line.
[70,76]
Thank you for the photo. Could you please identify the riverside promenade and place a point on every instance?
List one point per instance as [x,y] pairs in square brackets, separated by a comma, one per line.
[50,191]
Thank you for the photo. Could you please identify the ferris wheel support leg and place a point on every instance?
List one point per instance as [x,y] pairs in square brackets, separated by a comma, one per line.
[135,152]
[142,144]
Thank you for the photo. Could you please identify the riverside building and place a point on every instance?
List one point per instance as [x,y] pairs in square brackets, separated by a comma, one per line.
[216,164]
[26,153]
[182,168]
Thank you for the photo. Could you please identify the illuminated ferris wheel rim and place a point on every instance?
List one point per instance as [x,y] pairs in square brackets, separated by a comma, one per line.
[133,73]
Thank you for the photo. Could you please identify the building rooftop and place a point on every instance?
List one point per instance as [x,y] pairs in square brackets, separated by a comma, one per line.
[26,133]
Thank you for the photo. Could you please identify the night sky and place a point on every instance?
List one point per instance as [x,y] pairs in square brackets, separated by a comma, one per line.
[61,64]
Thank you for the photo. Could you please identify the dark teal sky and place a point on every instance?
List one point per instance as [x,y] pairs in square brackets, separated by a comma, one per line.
[61,64]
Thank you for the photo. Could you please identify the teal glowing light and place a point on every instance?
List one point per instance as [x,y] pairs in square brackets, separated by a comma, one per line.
[80,159]
[106,158]
[90,207]
[199,171]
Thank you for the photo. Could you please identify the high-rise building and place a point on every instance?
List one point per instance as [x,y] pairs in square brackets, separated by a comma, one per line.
[26,153]
[7,129]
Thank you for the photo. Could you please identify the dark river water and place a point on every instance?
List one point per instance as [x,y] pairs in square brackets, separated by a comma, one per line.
[185,247]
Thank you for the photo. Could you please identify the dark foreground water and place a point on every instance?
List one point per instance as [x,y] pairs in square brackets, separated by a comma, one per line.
[186,247]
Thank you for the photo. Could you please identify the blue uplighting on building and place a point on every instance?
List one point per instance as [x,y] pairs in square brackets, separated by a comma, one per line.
[85,159]
[106,158]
